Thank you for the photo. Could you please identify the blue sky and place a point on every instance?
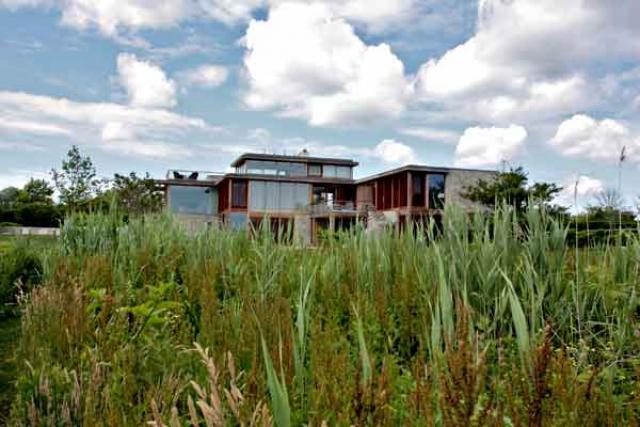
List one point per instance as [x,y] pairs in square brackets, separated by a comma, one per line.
[146,86]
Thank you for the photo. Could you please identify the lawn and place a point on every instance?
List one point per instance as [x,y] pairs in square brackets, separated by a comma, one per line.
[485,321]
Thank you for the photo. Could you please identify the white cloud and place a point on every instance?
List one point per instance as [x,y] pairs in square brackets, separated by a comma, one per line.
[306,63]
[431,134]
[111,17]
[25,126]
[141,128]
[394,152]
[375,14]
[527,58]
[206,76]
[146,84]
[583,136]
[489,146]
[578,191]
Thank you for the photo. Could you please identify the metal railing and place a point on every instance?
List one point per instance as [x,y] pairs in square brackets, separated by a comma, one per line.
[178,174]
[347,207]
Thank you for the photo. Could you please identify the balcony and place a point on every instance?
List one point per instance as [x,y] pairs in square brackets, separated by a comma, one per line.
[347,208]
[188,175]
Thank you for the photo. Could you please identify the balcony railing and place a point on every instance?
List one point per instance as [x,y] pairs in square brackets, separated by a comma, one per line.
[176,174]
[346,207]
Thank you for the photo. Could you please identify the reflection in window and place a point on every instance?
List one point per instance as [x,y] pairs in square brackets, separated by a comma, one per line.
[435,184]
[193,200]
[315,170]
[258,167]
[331,171]
[239,195]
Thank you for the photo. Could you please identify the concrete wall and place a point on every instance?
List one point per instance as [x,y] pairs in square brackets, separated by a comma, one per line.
[457,181]
[302,229]
[29,231]
[195,223]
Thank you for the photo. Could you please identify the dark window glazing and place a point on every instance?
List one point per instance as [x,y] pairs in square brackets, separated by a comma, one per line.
[436,183]
[417,199]
[239,195]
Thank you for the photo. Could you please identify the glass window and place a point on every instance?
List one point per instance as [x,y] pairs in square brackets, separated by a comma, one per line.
[328,171]
[239,195]
[417,199]
[315,170]
[343,172]
[436,187]
[258,167]
[332,171]
[193,200]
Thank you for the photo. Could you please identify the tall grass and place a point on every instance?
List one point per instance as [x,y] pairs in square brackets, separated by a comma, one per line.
[484,320]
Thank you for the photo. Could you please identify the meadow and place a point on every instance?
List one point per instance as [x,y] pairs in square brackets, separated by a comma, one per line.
[485,320]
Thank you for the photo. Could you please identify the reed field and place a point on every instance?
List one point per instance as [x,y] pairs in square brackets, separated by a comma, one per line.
[486,320]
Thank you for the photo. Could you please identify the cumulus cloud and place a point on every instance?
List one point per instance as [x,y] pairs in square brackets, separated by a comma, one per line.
[394,152]
[122,128]
[537,69]
[578,191]
[376,14]
[489,146]
[146,84]
[306,63]
[113,16]
[209,76]
[586,137]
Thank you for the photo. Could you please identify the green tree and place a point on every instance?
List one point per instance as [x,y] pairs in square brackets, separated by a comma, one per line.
[9,196]
[36,191]
[512,187]
[137,195]
[76,181]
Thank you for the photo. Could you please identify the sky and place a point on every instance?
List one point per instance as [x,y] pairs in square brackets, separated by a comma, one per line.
[142,85]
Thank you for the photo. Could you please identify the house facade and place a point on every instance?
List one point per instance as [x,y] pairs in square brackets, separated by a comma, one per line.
[309,195]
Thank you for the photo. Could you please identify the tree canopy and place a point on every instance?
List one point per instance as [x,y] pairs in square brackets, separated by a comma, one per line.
[76,181]
[512,187]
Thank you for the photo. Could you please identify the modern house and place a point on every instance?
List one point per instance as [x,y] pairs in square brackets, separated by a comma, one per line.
[310,194]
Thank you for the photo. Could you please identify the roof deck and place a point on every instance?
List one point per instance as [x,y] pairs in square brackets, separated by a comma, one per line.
[296,159]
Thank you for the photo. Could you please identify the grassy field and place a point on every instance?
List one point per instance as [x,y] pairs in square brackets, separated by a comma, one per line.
[490,321]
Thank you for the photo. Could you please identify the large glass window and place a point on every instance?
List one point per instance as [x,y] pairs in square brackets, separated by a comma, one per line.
[193,200]
[278,196]
[258,167]
[239,195]
[331,171]
[436,186]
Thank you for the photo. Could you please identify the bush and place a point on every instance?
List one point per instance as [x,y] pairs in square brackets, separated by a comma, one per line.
[20,270]
[32,215]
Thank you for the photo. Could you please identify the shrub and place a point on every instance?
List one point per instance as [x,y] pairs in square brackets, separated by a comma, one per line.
[20,270]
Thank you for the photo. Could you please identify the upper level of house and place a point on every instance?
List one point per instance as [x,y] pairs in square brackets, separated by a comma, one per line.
[281,186]
[300,166]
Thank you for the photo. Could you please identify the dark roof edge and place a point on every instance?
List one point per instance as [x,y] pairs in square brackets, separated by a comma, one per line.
[421,168]
[303,159]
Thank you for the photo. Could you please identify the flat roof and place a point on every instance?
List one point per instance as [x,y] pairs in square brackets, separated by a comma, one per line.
[300,159]
[422,168]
